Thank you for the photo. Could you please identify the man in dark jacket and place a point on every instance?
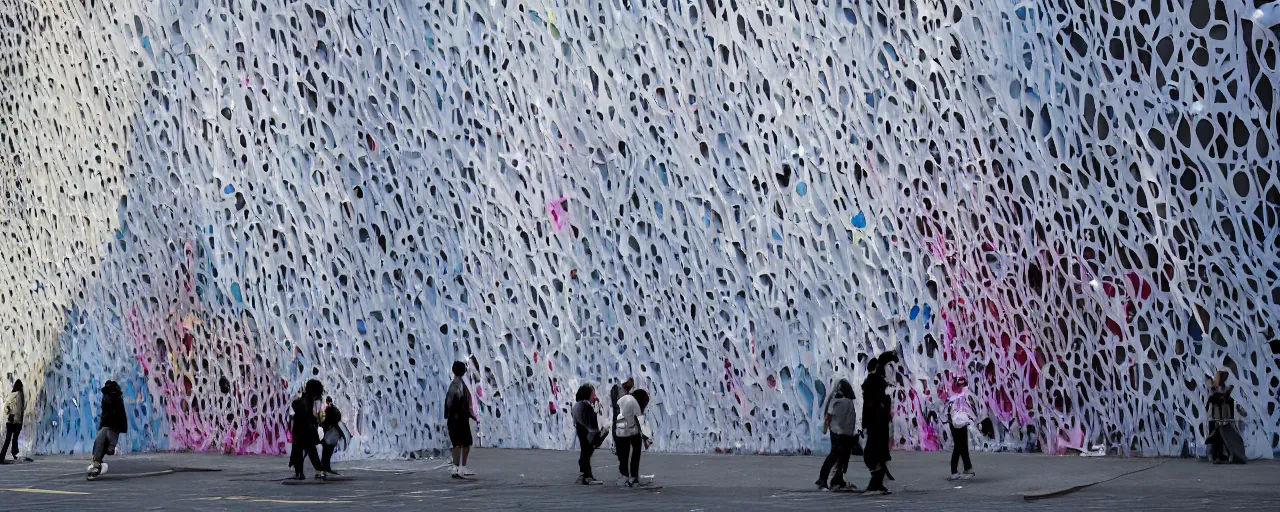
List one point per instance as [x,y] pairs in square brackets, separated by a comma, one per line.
[111,424]
[877,414]
[304,430]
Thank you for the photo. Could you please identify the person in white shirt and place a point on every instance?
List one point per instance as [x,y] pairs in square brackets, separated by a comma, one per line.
[960,416]
[632,431]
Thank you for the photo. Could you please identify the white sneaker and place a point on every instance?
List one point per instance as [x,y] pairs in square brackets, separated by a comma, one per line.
[954,476]
[967,475]
[466,472]
[622,481]
[455,472]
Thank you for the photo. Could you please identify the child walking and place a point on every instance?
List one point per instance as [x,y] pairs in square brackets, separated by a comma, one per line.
[960,416]
[587,426]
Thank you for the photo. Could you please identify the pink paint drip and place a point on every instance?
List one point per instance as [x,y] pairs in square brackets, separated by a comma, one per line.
[559,216]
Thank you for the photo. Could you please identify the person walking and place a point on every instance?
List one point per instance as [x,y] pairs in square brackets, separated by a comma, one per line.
[587,427]
[305,431]
[841,420]
[14,408]
[960,415]
[331,424]
[111,424]
[458,414]
[877,415]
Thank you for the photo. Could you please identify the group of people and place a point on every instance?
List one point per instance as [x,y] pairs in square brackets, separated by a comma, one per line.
[309,420]
[840,419]
[630,431]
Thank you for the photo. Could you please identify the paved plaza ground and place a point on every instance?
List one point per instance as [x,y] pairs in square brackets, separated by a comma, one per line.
[543,480]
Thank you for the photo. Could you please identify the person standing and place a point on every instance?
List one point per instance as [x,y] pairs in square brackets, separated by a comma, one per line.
[840,420]
[615,395]
[304,430]
[458,414]
[587,427]
[331,424]
[877,415]
[960,415]
[632,432]
[111,424]
[14,408]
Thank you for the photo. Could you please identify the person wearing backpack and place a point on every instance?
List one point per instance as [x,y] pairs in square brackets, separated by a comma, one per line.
[960,417]
[633,432]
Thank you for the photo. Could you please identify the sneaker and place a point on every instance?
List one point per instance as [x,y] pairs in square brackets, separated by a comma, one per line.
[822,486]
[464,471]
[455,472]
[622,481]
[840,486]
[331,471]
[320,475]
[591,481]
[297,476]
[968,474]
[954,477]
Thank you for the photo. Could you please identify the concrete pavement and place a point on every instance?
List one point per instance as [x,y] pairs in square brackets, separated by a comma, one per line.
[543,480]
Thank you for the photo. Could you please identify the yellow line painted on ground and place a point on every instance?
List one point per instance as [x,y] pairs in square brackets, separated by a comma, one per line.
[45,491]
[268,500]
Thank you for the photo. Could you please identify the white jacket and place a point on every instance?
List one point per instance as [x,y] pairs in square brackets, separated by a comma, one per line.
[630,420]
[15,406]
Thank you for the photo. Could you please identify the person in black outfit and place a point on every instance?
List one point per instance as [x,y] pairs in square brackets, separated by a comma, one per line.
[877,414]
[112,423]
[332,434]
[587,426]
[305,436]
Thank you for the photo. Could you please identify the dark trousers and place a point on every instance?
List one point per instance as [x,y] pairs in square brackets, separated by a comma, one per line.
[629,455]
[841,449]
[326,456]
[304,450]
[877,480]
[584,456]
[11,431]
[961,450]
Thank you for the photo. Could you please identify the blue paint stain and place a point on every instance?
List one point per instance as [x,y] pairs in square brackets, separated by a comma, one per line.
[146,43]
[657,207]
[360,327]
[860,220]
[230,189]
[1194,328]
[915,311]
[776,235]
[927,313]
[235,292]
[802,189]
